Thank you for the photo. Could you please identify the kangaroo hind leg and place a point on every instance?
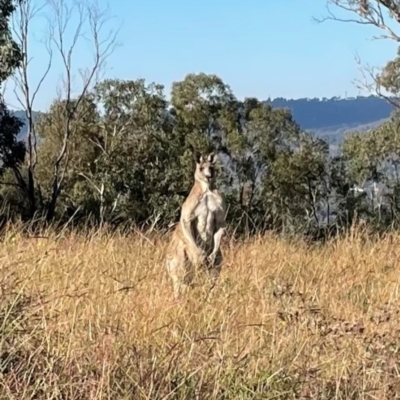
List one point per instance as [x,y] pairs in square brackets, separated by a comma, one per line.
[180,271]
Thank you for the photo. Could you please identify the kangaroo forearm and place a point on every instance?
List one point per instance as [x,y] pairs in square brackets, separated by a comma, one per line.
[217,239]
[187,232]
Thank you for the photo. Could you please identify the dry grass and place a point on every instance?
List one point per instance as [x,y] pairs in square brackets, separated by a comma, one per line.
[93,317]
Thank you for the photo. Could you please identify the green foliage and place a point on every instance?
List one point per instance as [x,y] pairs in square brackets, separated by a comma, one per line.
[373,159]
[130,155]
[130,159]
[10,53]
[12,152]
[389,77]
[274,167]
[83,125]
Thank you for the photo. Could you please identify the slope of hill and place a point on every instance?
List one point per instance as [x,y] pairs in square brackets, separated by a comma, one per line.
[21,116]
[335,113]
[332,119]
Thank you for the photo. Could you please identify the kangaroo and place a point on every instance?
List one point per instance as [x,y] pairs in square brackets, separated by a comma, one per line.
[197,237]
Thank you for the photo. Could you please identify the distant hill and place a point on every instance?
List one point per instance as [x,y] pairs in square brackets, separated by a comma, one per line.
[316,114]
[330,119]
[21,116]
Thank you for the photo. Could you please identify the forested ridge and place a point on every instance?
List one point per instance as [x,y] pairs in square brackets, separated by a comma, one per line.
[324,114]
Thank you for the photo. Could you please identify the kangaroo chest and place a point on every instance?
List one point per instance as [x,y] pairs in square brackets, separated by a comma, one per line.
[205,212]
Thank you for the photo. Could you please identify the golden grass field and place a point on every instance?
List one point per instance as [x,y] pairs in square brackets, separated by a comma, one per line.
[92,316]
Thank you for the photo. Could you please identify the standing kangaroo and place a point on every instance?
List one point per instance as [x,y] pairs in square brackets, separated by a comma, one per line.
[197,237]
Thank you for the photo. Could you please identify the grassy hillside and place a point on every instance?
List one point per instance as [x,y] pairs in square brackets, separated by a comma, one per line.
[92,317]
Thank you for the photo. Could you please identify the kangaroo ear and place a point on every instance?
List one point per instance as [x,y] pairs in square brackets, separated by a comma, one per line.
[197,157]
[211,158]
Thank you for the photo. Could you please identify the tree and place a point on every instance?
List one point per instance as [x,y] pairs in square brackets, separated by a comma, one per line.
[125,156]
[62,40]
[205,113]
[81,153]
[24,90]
[199,103]
[12,152]
[384,82]
[373,159]
[299,182]
[134,176]
[276,171]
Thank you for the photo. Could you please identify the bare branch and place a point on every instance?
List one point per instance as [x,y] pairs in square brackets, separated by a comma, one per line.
[91,24]
[369,82]
[373,13]
[10,184]
[99,190]
[24,91]
[365,13]
[21,30]
[69,23]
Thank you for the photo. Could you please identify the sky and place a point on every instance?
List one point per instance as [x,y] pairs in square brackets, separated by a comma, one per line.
[261,48]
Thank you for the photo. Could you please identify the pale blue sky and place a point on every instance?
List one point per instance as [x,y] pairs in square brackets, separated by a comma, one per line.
[260,48]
